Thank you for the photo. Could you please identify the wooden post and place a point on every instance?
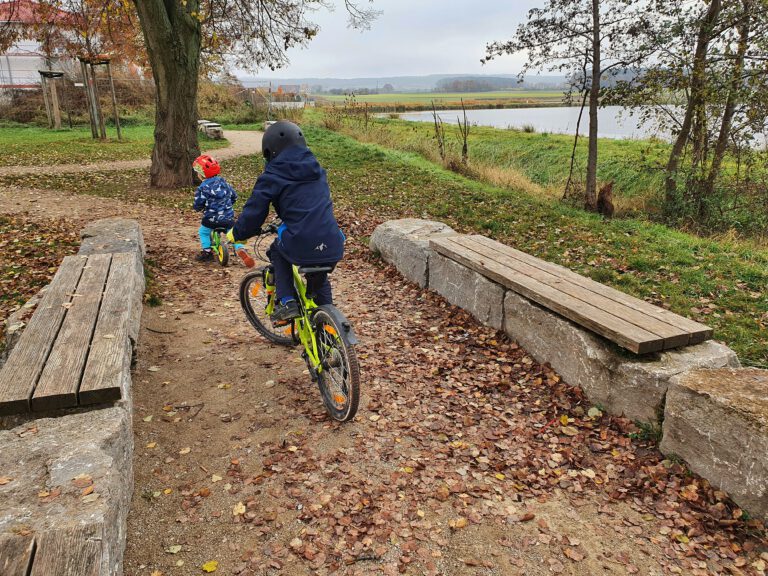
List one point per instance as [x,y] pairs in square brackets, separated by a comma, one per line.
[44,85]
[88,97]
[97,103]
[55,105]
[114,101]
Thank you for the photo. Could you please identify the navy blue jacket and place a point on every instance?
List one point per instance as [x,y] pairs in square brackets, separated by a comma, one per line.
[296,185]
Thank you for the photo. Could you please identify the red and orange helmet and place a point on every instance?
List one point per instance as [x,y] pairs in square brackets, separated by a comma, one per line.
[206,167]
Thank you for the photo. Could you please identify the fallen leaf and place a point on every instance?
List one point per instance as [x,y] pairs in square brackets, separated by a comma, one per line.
[224,386]
[152,445]
[594,412]
[154,368]
[175,549]
[87,490]
[148,418]
[210,566]
[573,554]
[458,523]
[185,450]
[216,478]
[569,430]
[4,480]
[90,497]
[239,509]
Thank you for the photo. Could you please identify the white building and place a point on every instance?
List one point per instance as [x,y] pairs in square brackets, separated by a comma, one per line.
[19,65]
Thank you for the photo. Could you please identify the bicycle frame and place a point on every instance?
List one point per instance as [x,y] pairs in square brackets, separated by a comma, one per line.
[302,324]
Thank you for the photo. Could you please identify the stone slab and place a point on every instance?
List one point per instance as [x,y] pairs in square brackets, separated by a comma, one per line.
[717,421]
[405,244]
[619,381]
[45,455]
[467,289]
[112,235]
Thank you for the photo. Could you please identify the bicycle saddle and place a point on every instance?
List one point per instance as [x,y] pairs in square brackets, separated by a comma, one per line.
[315,269]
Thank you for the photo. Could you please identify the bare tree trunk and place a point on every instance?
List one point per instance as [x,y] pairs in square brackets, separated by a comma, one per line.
[730,103]
[173,42]
[696,100]
[590,194]
[569,182]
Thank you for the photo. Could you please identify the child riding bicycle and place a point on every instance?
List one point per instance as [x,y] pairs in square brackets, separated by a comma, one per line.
[296,185]
[215,198]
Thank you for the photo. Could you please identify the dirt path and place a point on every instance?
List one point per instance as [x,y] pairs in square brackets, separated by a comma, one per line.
[242,143]
[458,463]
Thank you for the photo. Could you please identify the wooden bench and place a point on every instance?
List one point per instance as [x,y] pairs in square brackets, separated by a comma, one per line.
[629,322]
[75,348]
[75,551]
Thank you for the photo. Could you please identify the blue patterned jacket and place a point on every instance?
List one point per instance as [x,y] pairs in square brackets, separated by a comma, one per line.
[215,198]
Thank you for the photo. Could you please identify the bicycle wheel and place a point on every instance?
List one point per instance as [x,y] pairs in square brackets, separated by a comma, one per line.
[339,380]
[254,298]
[221,247]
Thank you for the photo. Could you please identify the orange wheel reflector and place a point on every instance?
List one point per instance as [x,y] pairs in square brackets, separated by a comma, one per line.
[287,331]
[255,289]
[339,399]
[330,329]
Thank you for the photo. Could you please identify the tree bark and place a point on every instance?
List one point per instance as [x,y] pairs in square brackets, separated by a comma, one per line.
[590,194]
[731,100]
[696,100]
[173,41]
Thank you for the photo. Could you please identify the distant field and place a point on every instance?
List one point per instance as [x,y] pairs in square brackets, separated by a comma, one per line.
[426,97]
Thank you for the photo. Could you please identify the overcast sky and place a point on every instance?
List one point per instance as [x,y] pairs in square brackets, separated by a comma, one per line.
[411,37]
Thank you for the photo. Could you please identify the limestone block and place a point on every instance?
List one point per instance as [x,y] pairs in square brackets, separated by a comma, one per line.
[717,421]
[405,244]
[112,235]
[621,382]
[47,454]
[467,289]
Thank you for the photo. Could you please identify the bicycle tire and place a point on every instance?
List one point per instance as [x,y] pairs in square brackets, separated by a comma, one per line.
[343,402]
[222,249]
[254,302]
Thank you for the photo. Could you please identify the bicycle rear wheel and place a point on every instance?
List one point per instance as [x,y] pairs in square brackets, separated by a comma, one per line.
[221,247]
[339,379]
[255,299]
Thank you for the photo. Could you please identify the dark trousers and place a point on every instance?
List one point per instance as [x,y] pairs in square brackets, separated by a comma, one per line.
[318,286]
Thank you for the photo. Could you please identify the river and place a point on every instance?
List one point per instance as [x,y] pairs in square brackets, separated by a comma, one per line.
[613,121]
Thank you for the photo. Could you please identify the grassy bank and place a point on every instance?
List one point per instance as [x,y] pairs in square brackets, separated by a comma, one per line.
[30,146]
[722,284]
[536,163]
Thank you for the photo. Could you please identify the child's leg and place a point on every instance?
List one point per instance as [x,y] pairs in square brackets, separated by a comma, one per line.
[319,287]
[283,274]
[205,236]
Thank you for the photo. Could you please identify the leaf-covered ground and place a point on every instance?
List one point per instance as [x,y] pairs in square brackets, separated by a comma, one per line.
[467,457]
[32,250]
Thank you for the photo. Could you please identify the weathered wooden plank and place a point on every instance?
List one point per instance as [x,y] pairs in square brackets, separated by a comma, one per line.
[672,336]
[623,333]
[60,379]
[111,348]
[698,332]
[72,551]
[19,376]
[15,554]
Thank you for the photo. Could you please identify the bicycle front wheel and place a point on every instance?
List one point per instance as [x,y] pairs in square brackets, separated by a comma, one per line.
[339,378]
[255,300]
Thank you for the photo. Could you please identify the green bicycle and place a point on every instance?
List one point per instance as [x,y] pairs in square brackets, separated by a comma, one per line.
[323,331]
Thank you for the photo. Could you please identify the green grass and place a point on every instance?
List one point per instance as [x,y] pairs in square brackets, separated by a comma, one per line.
[32,146]
[719,283]
[427,97]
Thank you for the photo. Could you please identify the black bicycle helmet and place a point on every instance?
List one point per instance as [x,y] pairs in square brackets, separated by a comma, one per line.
[279,136]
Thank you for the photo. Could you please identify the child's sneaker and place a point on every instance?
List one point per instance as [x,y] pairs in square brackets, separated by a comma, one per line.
[285,312]
[246,258]
[205,256]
